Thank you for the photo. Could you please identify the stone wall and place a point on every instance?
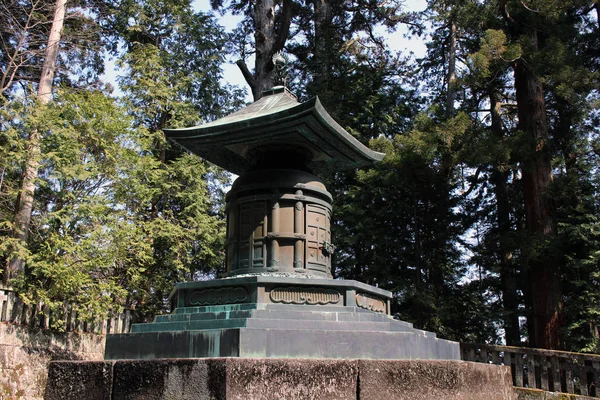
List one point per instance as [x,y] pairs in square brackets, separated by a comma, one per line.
[278,379]
[25,354]
[537,394]
[27,344]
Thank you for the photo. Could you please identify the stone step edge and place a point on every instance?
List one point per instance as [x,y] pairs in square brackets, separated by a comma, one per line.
[418,332]
[306,316]
[242,322]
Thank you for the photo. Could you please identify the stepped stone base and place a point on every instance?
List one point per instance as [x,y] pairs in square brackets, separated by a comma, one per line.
[276,331]
[279,318]
[290,379]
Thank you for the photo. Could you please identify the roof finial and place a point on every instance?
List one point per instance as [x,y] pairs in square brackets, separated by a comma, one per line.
[280,69]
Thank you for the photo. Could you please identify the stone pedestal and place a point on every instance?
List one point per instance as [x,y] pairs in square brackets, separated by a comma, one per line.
[279,317]
[279,299]
[279,306]
[289,379]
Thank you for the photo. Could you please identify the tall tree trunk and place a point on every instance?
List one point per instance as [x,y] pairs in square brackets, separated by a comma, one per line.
[322,51]
[264,38]
[508,273]
[269,38]
[544,276]
[49,66]
[24,206]
[510,300]
[451,78]
[418,248]
[564,137]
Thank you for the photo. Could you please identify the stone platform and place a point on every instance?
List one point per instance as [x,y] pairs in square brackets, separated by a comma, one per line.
[289,379]
[279,317]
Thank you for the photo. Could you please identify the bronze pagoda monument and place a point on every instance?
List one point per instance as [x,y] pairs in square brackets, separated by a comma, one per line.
[278,298]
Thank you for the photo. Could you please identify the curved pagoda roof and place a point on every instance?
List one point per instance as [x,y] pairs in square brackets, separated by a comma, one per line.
[276,119]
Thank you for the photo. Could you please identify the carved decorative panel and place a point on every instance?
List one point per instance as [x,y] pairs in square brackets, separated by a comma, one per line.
[365,301]
[226,295]
[310,296]
[317,233]
[279,221]
[252,233]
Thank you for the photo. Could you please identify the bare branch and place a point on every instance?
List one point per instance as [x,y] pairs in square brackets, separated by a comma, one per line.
[18,58]
[247,74]
[503,6]
[525,5]
[474,184]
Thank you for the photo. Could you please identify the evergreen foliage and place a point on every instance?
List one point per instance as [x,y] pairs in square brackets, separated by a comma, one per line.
[482,217]
[120,217]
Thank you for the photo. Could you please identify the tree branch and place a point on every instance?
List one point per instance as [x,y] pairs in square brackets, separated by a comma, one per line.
[474,184]
[284,26]
[503,7]
[247,74]
[527,7]
[7,78]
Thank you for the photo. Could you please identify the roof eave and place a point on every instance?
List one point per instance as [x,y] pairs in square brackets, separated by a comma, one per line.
[193,136]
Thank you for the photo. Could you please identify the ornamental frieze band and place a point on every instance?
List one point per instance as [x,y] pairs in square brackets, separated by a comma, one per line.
[367,302]
[226,295]
[311,296]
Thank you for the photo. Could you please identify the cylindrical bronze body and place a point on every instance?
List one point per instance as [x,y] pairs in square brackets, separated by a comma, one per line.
[278,220]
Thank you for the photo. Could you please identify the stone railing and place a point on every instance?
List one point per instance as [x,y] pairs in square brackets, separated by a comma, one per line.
[549,370]
[13,310]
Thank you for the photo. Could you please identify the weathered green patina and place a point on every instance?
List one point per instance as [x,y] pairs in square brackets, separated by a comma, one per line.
[276,121]
[278,210]
[278,299]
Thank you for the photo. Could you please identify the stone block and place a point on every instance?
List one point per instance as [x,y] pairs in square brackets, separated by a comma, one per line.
[15,335]
[91,344]
[23,370]
[181,379]
[275,379]
[529,394]
[537,394]
[79,380]
[185,344]
[281,343]
[11,335]
[8,356]
[315,325]
[433,379]
[278,379]
[25,354]
[204,379]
